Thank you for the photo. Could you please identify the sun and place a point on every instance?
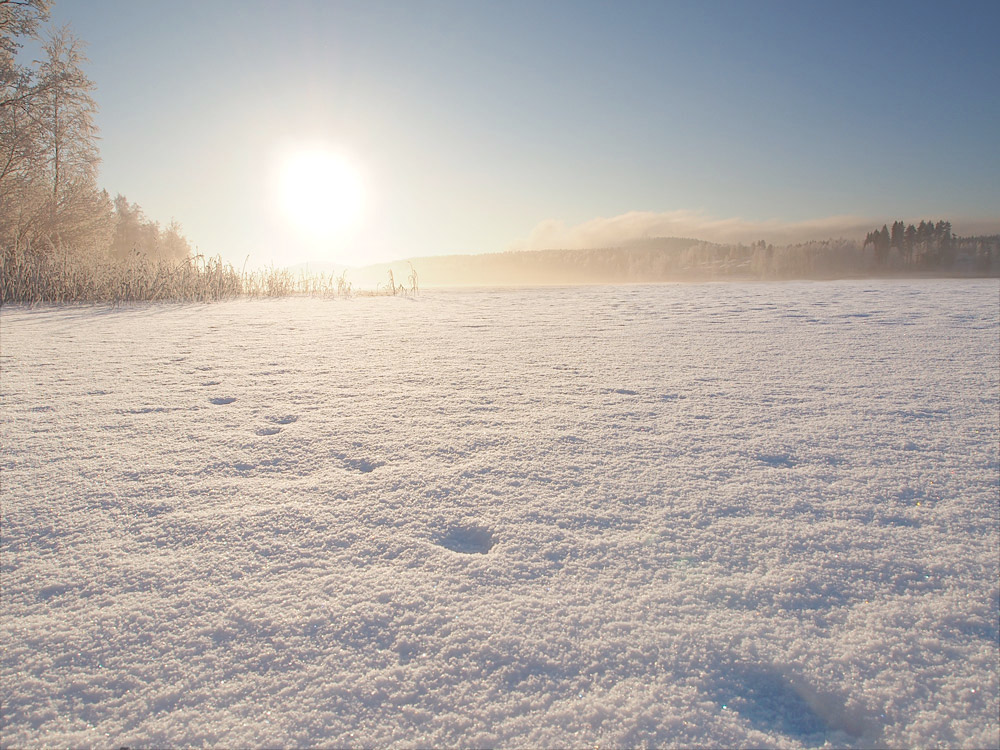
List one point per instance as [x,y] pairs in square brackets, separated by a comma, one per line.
[321,193]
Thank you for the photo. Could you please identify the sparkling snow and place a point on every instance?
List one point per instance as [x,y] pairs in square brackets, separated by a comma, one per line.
[708,515]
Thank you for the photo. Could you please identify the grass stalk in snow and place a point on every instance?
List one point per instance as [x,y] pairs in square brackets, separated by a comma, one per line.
[28,277]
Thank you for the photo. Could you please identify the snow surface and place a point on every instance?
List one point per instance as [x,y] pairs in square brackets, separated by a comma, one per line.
[704,515]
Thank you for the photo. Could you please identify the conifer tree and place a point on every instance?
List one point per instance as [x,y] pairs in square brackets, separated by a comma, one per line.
[896,240]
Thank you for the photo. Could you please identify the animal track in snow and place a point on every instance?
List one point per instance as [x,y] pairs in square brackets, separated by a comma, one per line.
[221,400]
[774,702]
[52,589]
[777,460]
[287,419]
[210,382]
[468,540]
[361,464]
[268,431]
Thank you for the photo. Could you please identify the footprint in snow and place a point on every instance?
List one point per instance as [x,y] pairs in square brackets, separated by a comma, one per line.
[468,540]
[287,419]
[622,391]
[52,589]
[361,464]
[777,460]
[770,702]
[220,400]
[268,431]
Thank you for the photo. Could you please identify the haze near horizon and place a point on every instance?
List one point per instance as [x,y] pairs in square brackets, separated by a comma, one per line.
[444,128]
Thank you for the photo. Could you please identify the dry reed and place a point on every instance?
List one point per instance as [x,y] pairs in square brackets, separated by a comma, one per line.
[28,277]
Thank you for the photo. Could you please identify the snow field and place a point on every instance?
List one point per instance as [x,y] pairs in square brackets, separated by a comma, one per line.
[682,515]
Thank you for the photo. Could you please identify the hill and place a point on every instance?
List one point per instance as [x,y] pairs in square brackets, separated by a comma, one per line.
[662,259]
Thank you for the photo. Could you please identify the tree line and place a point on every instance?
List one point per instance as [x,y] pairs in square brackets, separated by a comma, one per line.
[928,244]
[50,202]
[665,259]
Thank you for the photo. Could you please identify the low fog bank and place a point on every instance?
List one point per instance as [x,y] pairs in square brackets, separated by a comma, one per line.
[632,226]
[683,259]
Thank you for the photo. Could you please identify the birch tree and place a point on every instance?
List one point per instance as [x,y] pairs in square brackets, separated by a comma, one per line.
[77,212]
[20,135]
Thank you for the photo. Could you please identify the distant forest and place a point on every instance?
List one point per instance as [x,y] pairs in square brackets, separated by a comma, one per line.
[931,252]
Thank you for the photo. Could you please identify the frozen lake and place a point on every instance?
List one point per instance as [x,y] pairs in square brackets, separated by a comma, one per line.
[697,515]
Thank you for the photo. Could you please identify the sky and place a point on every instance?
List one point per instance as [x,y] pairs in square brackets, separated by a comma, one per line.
[457,127]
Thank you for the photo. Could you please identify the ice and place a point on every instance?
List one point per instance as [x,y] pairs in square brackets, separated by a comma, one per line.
[675,515]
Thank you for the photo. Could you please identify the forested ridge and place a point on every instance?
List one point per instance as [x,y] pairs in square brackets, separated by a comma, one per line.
[679,259]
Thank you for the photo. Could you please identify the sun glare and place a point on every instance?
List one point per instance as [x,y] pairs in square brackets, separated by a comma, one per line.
[321,193]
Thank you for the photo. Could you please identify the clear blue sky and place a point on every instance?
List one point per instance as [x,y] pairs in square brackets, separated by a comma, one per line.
[473,123]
